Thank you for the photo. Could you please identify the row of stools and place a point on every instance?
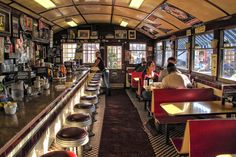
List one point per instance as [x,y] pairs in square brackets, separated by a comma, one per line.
[74,137]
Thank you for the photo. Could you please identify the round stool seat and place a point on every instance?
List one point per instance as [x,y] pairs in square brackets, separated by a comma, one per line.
[60,154]
[72,137]
[85,108]
[91,91]
[96,79]
[91,85]
[89,99]
[79,120]
[95,82]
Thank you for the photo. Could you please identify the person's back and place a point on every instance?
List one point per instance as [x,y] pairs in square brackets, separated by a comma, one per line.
[164,72]
[175,79]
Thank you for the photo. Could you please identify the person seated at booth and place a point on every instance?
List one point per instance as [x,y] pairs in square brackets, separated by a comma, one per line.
[141,66]
[175,79]
[164,72]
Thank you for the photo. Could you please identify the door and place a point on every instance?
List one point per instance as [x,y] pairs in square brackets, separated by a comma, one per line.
[115,65]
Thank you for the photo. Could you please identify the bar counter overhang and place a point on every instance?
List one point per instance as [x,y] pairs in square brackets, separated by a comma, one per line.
[39,117]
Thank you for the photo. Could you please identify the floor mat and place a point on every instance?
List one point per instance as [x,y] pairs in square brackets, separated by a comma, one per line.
[123,134]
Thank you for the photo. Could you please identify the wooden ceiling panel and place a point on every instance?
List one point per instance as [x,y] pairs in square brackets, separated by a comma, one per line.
[200,9]
[62,23]
[24,10]
[68,11]
[147,6]
[78,19]
[6,1]
[164,15]
[93,9]
[227,5]
[52,14]
[131,23]
[97,18]
[32,5]
[62,2]
[107,2]
[56,29]
[129,13]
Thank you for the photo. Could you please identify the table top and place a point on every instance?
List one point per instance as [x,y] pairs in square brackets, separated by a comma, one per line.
[226,155]
[197,108]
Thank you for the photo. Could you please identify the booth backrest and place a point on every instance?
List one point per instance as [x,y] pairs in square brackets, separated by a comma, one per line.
[139,75]
[209,138]
[179,95]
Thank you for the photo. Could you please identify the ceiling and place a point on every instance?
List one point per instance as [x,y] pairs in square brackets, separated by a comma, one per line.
[155,18]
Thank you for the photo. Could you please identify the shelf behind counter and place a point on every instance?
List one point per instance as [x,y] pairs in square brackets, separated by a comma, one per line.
[13,128]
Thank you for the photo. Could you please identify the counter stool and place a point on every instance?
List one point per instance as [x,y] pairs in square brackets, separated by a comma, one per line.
[95,82]
[73,138]
[80,120]
[91,85]
[59,154]
[91,91]
[89,99]
[86,108]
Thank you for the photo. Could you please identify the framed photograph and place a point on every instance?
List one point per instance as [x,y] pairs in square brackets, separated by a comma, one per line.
[15,27]
[5,21]
[132,34]
[83,34]
[120,34]
[94,35]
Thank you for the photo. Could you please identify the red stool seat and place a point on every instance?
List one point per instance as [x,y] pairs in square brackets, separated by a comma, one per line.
[59,154]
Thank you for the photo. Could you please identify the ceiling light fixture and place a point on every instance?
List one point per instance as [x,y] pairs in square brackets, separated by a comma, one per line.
[123,23]
[71,23]
[48,4]
[135,4]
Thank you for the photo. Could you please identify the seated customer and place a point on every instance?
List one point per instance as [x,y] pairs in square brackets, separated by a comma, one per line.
[175,79]
[164,72]
[141,66]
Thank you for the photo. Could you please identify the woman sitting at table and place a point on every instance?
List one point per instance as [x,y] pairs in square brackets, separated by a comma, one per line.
[175,79]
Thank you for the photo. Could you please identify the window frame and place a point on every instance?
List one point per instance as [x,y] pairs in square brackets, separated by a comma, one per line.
[137,50]
[193,53]
[63,60]
[120,58]
[162,53]
[89,50]
[188,53]
[164,62]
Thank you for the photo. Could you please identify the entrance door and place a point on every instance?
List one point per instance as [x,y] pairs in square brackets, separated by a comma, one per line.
[114,64]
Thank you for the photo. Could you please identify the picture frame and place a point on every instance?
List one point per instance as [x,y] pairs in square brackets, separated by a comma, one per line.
[15,27]
[5,21]
[132,34]
[94,35]
[120,34]
[83,34]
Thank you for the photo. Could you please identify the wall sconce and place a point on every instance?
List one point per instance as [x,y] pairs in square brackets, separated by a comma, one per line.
[214,43]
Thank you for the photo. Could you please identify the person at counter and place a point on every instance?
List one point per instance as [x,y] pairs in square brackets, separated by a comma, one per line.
[164,72]
[175,79]
[105,75]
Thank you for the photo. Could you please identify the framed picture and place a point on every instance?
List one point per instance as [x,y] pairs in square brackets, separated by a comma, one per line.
[83,34]
[15,27]
[94,35]
[132,34]
[5,21]
[120,34]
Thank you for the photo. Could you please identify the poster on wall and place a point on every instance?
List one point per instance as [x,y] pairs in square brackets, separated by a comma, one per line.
[127,55]
[4,20]
[214,64]
[83,34]
[180,14]
[15,27]
[120,34]
[1,49]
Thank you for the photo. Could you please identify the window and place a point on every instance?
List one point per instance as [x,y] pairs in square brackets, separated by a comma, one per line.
[228,66]
[202,53]
[182,53]
[138,51]
[89,50]
[159,53]
[168,51]
[69,51]
[114,57]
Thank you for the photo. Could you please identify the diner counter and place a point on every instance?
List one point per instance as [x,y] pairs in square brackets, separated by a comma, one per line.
[28,109]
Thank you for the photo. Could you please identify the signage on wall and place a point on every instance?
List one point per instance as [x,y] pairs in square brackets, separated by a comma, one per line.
[200,29]
[214,64]
[188,32]
[26,23]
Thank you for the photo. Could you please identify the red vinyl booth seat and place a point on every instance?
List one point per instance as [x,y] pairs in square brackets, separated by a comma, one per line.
[134,84]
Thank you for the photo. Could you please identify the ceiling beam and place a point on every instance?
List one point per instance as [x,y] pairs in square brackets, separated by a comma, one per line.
[112,10]
[79,11]
[216,6]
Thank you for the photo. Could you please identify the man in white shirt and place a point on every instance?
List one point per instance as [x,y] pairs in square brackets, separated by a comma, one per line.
[164,72]
[175,79]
